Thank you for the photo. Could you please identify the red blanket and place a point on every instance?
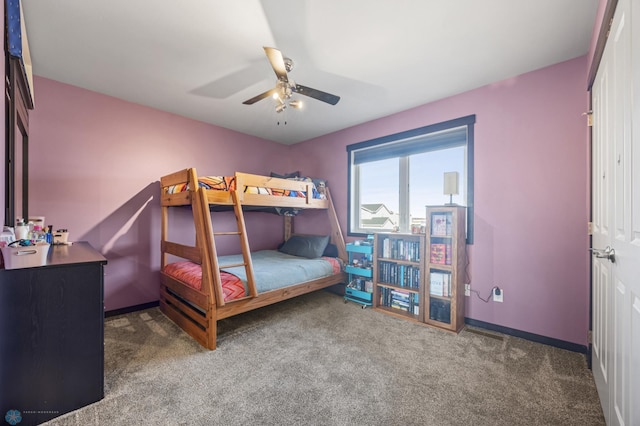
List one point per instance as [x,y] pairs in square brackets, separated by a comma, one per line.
[191,274]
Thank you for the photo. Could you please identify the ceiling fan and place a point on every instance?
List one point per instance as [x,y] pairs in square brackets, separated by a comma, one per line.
[286,87]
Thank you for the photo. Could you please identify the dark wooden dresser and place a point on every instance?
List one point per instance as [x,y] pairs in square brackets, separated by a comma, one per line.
[52,335]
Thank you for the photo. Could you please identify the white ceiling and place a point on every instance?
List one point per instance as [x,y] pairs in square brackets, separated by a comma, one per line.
[203,58]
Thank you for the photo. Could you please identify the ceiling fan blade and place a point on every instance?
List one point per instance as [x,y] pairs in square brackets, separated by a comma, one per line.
[317,94]
[277,62]
[260,97]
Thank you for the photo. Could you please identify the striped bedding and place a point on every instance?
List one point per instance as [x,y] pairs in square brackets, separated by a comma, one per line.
[191,274]
[228,183]
[272,270]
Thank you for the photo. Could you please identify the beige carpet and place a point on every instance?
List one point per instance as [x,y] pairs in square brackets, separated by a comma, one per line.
[315,360]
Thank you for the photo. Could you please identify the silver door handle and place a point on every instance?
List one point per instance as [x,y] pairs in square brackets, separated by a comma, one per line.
[606,253]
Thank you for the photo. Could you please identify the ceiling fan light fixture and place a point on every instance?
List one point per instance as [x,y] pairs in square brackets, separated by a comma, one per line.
[296,103]
[280,107]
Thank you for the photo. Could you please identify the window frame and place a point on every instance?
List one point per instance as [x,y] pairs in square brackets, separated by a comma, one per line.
[397,139]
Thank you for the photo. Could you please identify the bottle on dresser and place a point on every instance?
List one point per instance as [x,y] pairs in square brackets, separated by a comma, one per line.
[38,235]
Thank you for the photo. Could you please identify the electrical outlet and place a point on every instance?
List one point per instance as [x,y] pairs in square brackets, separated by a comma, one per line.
[467,289]
[498,294]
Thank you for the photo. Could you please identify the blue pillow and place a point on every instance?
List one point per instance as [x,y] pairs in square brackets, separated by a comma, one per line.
[309,246]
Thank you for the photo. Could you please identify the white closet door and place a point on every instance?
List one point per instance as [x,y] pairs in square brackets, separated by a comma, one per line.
[616,220]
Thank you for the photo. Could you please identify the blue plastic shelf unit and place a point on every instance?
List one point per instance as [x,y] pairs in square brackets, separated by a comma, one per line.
[360,286]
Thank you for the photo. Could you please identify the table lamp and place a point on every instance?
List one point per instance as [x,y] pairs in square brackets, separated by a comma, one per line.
[450,186]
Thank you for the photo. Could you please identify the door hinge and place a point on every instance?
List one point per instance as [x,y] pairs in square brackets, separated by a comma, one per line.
[589,228]
[589,115]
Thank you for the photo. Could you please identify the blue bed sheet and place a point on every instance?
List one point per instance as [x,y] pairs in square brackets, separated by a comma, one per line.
[273,269]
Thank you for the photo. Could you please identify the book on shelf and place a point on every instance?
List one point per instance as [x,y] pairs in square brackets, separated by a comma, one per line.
[440,284]
[441,254]
[440,310]
[401,300]
[394,248]
[436,284]
[439,224]
[400,275]
[438,253]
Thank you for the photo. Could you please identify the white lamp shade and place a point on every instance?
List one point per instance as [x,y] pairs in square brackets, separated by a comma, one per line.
[451,183]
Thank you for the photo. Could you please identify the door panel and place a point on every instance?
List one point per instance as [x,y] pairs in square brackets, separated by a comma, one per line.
[620,206]
[629,262]
[601,324]
[634,362]
[619,382]
[616,217]
[600,335]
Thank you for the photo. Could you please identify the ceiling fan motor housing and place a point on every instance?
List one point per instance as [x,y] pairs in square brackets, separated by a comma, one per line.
[288,64]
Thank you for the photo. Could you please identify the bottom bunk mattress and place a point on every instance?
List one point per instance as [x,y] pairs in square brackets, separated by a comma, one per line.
[271,269]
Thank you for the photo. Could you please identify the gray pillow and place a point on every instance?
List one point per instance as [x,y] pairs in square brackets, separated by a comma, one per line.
[310,246]
[286,175]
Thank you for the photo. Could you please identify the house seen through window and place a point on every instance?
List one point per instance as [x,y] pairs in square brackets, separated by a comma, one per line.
[392,179]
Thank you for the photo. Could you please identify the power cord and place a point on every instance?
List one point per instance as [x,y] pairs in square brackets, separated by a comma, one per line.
[468,280]
[488,299]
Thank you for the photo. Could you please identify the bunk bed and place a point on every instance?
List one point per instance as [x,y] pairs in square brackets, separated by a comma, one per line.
[198,287]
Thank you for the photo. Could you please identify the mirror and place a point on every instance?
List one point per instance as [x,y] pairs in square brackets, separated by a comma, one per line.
[17,100]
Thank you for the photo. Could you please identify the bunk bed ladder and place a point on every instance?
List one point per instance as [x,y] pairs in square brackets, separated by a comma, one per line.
[246,254]
[336,232]
[194,310]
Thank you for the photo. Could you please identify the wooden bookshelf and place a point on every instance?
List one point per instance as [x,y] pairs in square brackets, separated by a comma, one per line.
[420,277]
[397,274]
[445,265]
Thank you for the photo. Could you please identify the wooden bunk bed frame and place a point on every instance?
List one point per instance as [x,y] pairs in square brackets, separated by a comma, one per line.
[197,311]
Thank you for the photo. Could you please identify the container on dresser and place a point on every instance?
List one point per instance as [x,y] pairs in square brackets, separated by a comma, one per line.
[445,267]
[398,284]
[360,285]
[51,335]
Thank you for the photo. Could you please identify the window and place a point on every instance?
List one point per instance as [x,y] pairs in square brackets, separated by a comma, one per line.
[393,178]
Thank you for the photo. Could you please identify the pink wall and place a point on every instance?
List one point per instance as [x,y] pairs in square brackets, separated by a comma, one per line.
[531,198]
[95,162]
